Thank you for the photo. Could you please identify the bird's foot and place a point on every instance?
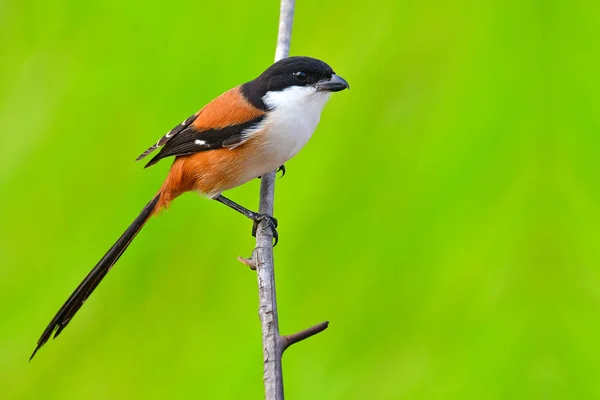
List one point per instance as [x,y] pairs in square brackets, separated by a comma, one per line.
[271,221]
[282,169]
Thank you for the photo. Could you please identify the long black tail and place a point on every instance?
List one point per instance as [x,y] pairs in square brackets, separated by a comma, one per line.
[91,281]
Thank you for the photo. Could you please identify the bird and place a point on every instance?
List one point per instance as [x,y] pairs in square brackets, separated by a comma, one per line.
[246,132]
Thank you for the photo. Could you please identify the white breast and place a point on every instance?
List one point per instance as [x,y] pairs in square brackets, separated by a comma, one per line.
[294,116]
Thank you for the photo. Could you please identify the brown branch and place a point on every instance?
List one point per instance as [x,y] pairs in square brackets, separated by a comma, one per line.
[305,334]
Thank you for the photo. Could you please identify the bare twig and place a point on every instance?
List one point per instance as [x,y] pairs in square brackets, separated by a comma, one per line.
[262,257]
[305,334]
[248,261]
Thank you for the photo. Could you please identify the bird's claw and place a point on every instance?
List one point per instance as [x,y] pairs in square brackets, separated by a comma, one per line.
[271,221]
[282,169]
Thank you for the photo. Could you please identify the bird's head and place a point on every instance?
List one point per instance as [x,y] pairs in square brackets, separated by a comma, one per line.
[301,80]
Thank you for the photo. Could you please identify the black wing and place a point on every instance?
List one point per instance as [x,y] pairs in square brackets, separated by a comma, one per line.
[163,140]
[190,140]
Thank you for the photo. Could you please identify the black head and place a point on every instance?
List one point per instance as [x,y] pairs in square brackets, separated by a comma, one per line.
[293,71]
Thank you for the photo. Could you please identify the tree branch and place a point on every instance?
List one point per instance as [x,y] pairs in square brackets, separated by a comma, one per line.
[262,257]
[305,334]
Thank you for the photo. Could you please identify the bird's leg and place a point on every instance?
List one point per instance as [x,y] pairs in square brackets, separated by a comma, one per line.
[254,216]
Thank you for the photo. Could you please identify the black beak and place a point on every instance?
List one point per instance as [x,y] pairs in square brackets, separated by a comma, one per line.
[335,84]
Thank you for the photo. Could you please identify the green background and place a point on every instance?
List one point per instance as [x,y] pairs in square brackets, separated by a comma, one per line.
[444,217]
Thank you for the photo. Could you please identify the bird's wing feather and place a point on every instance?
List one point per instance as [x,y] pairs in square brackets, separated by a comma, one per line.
[192,141]
[227,121]
[163,140]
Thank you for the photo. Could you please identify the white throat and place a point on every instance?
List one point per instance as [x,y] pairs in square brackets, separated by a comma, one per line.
[293,117]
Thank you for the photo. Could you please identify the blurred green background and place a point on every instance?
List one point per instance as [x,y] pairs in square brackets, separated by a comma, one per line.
[444,217]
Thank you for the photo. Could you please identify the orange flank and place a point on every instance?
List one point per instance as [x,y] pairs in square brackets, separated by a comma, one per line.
[211,172]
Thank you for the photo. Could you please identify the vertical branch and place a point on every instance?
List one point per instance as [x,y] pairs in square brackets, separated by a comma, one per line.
[263,255]
[267,311]
[284,35]
[262,258]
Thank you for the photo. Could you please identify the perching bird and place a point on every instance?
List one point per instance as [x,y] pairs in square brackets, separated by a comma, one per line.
[244,133]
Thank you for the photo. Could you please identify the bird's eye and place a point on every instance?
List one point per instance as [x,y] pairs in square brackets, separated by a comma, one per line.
[301,75]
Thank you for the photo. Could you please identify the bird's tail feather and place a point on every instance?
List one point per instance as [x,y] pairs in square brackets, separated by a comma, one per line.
[91,281]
